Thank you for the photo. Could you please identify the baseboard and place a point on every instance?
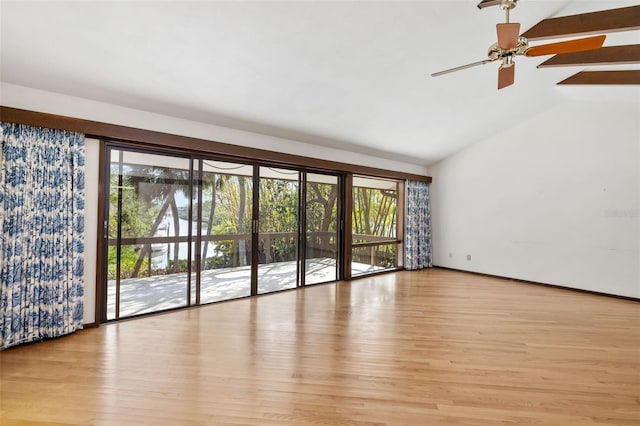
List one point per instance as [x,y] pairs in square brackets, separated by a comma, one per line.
[562,287]
[90,325]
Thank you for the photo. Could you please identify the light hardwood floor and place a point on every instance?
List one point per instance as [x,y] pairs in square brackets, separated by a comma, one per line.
[419,348]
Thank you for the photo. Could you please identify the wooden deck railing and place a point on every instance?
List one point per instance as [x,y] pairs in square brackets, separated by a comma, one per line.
[319,244]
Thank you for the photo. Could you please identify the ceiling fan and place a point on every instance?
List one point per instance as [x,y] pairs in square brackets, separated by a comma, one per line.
[510,44]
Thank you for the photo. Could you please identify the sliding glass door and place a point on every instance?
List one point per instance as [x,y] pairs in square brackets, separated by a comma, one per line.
[186,230]
[224,209]
[321,222]
[147,233]
[278,225]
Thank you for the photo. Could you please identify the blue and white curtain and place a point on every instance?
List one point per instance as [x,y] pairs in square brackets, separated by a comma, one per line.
[418,252]
[41,233]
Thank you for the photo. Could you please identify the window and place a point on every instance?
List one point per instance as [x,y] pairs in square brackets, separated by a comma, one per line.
[376,225]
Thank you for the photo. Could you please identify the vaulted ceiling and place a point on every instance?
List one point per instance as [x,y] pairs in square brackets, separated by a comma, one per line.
[352,75]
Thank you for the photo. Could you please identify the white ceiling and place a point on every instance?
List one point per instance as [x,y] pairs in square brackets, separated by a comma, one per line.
[351,75]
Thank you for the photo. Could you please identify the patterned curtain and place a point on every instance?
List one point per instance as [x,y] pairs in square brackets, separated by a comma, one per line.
[41,233]
[418,231]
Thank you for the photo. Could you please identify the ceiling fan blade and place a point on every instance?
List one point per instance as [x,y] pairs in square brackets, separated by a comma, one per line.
[604,77]
[622,19]
[462,67]
[612,55]
[508,35]
[488,3]
[506,76]
[579,45]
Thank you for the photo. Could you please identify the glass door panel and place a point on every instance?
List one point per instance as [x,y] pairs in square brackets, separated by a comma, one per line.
[376,234]
[225,232]
[185,231]
[321,222]
[147,261]
[278,229]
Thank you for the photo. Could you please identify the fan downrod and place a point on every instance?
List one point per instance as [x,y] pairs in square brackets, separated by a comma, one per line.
[507,5]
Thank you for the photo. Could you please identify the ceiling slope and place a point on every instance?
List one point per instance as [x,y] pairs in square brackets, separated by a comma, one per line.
[347,75]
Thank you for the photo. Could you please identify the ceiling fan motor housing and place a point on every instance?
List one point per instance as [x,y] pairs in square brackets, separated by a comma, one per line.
[508,4]
[495,52]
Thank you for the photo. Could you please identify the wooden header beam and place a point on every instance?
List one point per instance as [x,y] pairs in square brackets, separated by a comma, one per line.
[219,149]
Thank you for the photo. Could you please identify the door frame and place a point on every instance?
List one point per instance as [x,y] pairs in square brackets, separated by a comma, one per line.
[194,256]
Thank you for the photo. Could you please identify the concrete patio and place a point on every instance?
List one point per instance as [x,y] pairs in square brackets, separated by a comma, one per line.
[162,292]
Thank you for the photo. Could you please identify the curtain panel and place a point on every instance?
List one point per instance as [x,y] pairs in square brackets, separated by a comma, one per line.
[41,233]
[418,252]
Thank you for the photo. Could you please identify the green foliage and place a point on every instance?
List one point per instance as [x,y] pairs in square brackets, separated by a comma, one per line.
[232,212]
[279,205]
[223,257]
[142,191]
[137,216]
[227,207]
[138,213]
[383,256]
[182,266]
[374,212]
[322,207]
[278,214]
[128,258]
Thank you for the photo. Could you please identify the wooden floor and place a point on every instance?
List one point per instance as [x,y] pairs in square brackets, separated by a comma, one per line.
[418,348]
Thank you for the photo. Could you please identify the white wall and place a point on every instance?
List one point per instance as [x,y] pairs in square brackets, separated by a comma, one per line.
[21,97]
[54,103]
[554,199]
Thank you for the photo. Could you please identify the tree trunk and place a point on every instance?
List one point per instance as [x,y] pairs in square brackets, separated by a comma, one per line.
[176,227]
[326,220]
[154,228]
[242,258]
[210,220]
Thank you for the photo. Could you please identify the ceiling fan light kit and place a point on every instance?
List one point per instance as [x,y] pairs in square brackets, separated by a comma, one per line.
[511,44]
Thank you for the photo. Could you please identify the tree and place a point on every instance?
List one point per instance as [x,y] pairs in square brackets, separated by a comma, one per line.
[321,216]
[146,194]
[374,213]
[209,181]
[160,186]
[279,214]
[241,243]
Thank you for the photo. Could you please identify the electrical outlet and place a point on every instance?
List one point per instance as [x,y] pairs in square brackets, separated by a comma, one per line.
[450,255]
[468,257]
